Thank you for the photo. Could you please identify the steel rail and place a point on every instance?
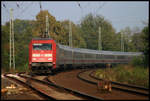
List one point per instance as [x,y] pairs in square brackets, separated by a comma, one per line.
[32,88]
[50,83]
[122,84]
[117,88]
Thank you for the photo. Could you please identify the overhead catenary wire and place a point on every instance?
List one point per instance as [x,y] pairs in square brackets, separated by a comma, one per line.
[100,7]
[5,8]
[40,6]
[8,12]
[25,9]
[86,5]
[79,5]
[17,5]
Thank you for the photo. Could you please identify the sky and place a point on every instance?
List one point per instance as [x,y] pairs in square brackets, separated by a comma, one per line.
[121,14]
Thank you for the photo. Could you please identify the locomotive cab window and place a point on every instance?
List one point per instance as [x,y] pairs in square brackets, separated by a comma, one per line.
[44,46]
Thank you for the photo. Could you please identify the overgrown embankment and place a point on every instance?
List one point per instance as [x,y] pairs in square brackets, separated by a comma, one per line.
[126,74]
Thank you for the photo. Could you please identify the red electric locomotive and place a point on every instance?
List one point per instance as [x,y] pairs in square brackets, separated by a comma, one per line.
[42,55]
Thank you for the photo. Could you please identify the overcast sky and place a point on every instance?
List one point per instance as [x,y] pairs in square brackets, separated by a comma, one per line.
[120,13]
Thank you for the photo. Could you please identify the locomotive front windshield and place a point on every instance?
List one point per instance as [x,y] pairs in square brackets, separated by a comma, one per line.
[44,46]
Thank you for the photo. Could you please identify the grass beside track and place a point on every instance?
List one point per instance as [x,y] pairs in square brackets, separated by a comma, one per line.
[126,74]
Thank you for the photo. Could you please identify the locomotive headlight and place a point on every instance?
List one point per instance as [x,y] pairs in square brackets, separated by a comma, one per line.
[48,55]
[49,58]
[36,55]
[33,58]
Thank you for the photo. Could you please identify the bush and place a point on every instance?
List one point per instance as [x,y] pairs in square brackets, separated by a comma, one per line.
[135,75]
[137,61]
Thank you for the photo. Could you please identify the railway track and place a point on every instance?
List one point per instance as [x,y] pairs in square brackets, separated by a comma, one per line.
[24,82]
[88,77]
[132,88]
[73,80]
[43,88]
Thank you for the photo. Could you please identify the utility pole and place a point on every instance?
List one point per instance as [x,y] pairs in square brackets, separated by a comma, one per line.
[47,27]
[70,39]
[122,41]
[70,34]
[12,51]
[10,40]
[42,33]
[99,40]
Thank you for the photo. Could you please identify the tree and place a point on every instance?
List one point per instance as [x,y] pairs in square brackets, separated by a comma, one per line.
[5,47]
[89,31]
[137,42]
[22,36]
[127,33]
[78,41]
[145,39]
[56,30]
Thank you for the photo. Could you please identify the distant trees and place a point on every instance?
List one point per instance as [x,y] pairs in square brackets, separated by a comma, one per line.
[23,35]
[5,47]
[138,42]
[77,39]
[89,31]
[145,39]
[56,30]
[84,35]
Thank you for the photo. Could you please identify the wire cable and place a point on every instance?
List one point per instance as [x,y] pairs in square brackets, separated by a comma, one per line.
[100,7]
[5,8]
[17,5]
[25,9]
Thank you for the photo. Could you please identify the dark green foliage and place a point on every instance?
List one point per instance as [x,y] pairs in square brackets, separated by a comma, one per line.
[89,31]
[77,40]
[23,35]
[145,38]
[5,48]
[137,61]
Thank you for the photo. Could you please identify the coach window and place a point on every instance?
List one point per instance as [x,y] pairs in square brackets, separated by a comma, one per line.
[96,56]
[121,57]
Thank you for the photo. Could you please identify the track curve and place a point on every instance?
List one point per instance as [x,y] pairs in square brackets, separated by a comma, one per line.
[88,76]
[69,79]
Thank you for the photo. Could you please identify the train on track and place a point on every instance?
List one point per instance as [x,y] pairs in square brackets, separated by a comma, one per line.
[45,55]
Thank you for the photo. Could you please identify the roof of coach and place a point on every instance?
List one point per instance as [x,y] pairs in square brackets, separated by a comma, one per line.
[82,50]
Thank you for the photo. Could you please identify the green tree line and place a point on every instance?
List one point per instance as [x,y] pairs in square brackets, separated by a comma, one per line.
[84,35]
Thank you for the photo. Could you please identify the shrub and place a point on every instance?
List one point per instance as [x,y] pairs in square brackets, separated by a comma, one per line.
[137,61]
[135,75]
